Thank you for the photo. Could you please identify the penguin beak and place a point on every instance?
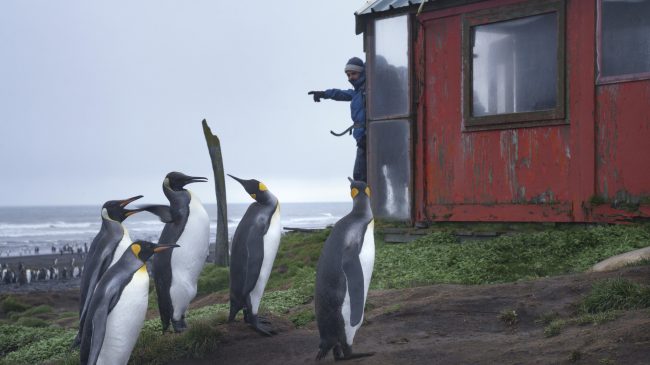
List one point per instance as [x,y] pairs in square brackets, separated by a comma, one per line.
[236,178]
[126,202]
[193,179]
[130,212]
[161,248]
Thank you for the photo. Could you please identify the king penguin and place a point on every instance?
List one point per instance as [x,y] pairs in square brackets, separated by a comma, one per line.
[108,246]
[252,252]
[176,272]
[118,307]
[343,277]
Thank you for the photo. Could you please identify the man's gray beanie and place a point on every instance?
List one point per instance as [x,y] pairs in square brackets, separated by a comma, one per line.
[354,64]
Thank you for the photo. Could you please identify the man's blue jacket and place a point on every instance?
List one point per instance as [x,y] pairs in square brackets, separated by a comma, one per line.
[357,104]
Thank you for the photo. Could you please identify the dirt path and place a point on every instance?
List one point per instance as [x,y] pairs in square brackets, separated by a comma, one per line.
[454,324]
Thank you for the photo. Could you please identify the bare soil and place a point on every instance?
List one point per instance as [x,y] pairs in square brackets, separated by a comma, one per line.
[438,324]
[457,324]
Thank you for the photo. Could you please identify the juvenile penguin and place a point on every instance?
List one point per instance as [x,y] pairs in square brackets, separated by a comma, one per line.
[118,307]
[107,247]
[343,276]
[252,253]
[176,272]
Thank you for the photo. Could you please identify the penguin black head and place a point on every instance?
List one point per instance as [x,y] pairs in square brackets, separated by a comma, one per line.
[256,189]
[359,187]
[177,180]
[116,209]
[145,249]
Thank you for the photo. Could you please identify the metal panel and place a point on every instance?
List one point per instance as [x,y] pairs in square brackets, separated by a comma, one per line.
[377,6]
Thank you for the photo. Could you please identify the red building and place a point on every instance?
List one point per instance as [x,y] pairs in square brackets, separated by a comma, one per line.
[508,110]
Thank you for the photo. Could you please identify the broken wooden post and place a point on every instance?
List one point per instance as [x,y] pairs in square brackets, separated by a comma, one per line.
[214,149]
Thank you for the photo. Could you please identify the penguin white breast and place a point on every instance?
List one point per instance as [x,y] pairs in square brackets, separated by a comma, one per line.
[271,244]
[188,259]
[367,259]
[125,321]
[125,242]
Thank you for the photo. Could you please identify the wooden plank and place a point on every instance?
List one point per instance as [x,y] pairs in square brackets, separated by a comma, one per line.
[214,149]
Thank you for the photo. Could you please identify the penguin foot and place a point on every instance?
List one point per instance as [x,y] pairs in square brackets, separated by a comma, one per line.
[261,326]
[179,326]
[351,356]
[263,320]
[321,354]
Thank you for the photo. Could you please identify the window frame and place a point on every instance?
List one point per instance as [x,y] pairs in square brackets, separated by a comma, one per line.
[603,80]
[522,119]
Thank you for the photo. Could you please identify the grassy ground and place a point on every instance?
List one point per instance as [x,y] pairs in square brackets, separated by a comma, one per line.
[31,335]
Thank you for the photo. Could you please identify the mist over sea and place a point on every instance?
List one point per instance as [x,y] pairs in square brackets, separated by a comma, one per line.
[22,229]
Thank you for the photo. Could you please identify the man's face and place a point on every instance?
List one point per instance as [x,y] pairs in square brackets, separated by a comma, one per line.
[353,75]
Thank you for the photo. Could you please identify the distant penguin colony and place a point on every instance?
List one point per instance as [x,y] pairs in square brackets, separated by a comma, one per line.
[176,272]
[117,309]
[343,277]
[252,252]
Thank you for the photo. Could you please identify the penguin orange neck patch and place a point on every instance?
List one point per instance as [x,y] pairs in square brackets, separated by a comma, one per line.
[136,248]
[354,192]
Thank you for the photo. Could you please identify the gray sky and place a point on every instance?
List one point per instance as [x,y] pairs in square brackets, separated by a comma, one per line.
[99,100]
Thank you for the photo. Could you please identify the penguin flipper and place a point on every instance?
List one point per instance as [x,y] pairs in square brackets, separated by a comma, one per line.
[354,277]
[162,211]
[93,333]
[255,245]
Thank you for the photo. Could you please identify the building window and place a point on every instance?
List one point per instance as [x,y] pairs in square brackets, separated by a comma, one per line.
[389,143]
[624,33]
[389,74]
[514,66]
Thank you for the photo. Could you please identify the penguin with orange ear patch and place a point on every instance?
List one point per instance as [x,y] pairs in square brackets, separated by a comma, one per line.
[118,307]
[343,277]
[252,252]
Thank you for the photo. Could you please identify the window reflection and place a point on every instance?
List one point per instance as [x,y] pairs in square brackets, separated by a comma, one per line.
[514,66]
[390,169]
[389,93]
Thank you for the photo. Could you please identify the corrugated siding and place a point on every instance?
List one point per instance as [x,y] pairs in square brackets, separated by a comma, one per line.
[377,6]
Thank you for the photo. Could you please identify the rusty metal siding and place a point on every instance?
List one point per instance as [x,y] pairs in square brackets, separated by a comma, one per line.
[594,168]
[522,174]
[623,140]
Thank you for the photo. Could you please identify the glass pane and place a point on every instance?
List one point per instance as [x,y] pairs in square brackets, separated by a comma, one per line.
[389,169]
[625,37]
[389,93]
[515,66]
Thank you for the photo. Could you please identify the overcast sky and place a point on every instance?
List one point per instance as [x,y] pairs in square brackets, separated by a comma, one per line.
[99,100]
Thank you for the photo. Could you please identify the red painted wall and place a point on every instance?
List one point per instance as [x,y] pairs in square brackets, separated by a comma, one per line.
[549,173]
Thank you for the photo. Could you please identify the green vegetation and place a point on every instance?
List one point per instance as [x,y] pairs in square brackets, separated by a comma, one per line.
[605,302]
[438,258]
[540,251]
[509,317]
[11,304]
[213,279]
[616,294]
[554,328]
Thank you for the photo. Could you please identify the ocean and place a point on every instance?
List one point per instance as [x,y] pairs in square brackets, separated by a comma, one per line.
[44,230]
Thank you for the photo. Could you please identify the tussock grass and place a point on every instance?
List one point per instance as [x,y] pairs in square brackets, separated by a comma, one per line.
[616,294]
[11,304]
